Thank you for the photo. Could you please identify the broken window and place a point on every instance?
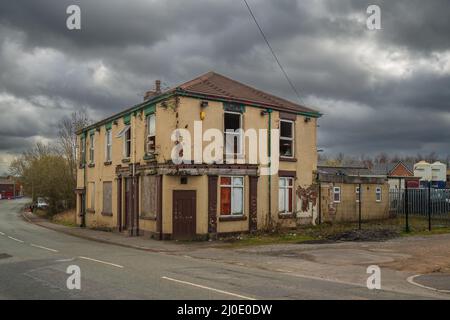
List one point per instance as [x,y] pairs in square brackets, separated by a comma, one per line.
[286,138]
[233,133]
[149,196]
[127,143]
[337,194]
[285,195]
[108,143]
[231,196]
[91,148]
[107,197]
[151,133]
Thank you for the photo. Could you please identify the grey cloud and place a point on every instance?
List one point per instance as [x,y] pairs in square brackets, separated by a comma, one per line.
[324,46]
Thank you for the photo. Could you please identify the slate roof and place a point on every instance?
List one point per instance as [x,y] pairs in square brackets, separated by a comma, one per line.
[219,86]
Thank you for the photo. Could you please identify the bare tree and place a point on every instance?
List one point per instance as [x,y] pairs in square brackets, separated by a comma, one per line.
[67,138]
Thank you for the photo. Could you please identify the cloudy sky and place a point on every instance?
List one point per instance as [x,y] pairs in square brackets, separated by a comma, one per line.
[385,90]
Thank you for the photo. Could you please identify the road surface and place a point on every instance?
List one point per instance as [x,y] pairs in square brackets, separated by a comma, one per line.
[34,261]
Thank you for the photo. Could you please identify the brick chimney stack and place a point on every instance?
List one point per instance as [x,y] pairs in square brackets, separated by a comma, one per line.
[152,93]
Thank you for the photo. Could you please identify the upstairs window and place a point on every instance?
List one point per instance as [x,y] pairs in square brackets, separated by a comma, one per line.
[91,148]
[285,195]
[108,145]
[82,150]
[233,133]
[151,134]
[286,139]
[231,196]
[127,143]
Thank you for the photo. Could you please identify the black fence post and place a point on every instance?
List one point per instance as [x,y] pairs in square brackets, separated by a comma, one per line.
[359,206]
[406,208]
[429,206]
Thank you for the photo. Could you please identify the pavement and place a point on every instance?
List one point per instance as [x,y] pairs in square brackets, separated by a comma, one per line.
[35,255]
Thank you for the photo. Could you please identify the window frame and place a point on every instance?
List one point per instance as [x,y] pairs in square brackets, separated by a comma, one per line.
[240,152]
[378,192]
[125,141]
[108,145]
[232,186]
[292,139]
[83,150]
[337,190]
[91,148]
[289,188]
[148,135]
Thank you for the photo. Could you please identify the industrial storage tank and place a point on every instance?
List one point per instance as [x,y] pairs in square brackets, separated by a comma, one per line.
[422,170]
[438,175]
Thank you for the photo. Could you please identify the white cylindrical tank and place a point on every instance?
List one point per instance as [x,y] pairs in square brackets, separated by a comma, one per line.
[438,171]
[422,170]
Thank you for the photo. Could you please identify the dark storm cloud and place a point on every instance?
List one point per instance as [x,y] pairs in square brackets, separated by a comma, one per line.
[377,89]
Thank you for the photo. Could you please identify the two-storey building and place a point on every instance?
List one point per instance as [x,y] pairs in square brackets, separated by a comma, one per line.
[128,180]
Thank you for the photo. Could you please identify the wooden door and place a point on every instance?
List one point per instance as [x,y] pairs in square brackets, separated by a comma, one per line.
[184,214]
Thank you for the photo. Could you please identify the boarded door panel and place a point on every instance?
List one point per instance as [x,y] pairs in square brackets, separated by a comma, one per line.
[128,203]
[184,214]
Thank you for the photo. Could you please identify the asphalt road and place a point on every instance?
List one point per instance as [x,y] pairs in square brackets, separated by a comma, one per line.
[34,261]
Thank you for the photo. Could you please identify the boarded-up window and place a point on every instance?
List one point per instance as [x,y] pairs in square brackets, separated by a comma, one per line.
[149,196]
[91,188]
[107,197]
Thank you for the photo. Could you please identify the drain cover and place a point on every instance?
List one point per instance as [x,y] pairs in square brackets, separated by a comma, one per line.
[4,256]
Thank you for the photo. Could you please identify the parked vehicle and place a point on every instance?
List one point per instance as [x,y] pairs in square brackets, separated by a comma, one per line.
[41,203]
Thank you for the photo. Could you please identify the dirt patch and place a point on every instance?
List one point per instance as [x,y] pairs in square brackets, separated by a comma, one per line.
[365,235]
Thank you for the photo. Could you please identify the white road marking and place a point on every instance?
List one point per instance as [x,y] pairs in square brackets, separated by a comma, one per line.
[104,262]
[18,240]
[65,260]
[209,288]
[411,281]
[42,247]
[1,233]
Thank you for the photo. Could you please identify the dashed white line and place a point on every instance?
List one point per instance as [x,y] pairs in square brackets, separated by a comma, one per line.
[15,239]
[100,261]
[42,247]
[209,288]
[1,233]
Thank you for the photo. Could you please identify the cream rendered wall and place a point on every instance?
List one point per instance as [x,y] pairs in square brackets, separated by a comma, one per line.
[197,183]
[182,115]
